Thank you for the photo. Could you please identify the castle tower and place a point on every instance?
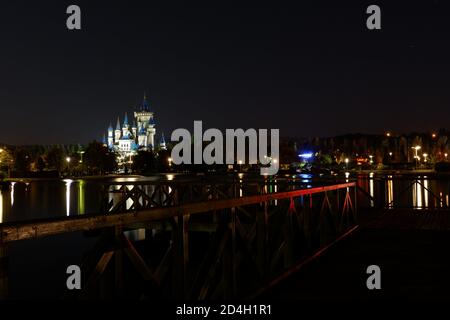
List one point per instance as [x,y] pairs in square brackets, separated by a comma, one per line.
[125,129]
[110,136]
[134,129]
[151,131]
[142,137]
[117,133]
[162,143]
[143,114]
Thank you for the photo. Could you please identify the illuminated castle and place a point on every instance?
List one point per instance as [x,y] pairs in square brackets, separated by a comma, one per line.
[128,138]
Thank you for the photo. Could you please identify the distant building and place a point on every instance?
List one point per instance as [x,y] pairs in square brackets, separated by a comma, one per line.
[128,138]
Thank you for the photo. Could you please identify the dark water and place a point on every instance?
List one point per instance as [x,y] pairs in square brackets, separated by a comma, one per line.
[56,198]
[38,199]
[38,267]
[417,192]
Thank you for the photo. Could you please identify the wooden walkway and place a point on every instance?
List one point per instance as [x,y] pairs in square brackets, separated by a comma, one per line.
[411,247]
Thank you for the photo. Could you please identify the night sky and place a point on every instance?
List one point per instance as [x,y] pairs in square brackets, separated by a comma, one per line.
[309,68]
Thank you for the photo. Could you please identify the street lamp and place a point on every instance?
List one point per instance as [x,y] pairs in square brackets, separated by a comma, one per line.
[81,156]
[170,161]
[445,155]
[68,164]
[417,148]
[346,163]
[425,155]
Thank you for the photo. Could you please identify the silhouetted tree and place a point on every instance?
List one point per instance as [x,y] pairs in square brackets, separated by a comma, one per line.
[55,158]
[40,164]
[6,159]
[162,161]
[22,160]
[144,162]
[98,159]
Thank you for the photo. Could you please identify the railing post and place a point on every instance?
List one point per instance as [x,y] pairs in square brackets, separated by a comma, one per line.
[355,204]
[181,253]
[261,236]
[233,252]
[118,262]
[4,270]
[337,201]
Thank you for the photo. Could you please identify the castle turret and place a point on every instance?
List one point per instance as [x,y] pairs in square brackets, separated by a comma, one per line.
[110,135]
[142,137]
[117,133]
[162,143]
[145,105]
[125,129]
[151,131]
[143,113]
[134,129]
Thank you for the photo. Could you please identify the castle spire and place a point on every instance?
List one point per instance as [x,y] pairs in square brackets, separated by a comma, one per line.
[162,142]
[145,106]
[118,124]
[125,120]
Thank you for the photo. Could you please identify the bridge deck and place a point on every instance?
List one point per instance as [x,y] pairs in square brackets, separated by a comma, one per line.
[410,247]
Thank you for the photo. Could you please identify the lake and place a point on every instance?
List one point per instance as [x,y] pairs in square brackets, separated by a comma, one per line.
[38,267]
[38,199]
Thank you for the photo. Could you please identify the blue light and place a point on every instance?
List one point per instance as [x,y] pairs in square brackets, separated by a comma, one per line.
[306,155]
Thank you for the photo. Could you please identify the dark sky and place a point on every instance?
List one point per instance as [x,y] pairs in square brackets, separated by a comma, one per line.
[309,69]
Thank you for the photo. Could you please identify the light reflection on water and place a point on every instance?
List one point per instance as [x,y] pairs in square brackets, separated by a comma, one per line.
[53,198]
[81,197]
[68,184]
[12,193]
[390,192]
[1,206]
[419,192]
[371,190]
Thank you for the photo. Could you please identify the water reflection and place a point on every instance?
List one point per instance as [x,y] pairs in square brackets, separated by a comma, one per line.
[51,198]
[417,195]
[404,191]
[371,190]
[68,184]
[81,198]
[1,206]
[425,185]
[240,175]
[390,192]
[129,202]
[13,184]
[276,190]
